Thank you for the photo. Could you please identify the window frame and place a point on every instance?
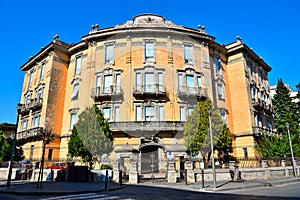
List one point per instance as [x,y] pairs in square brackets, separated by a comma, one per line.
[78,65]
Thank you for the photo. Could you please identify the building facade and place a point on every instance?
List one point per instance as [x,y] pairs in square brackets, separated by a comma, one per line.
[146,76]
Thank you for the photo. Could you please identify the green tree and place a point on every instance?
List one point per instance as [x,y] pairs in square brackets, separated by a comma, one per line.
[285,110]
[275,146]
[224,144]
[196,131]
[76,147]
[92,134]
[6,144]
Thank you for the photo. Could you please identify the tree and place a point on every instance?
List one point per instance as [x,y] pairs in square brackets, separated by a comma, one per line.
[76,147]
[224,144]
[275,146]
[6,144]
[285,110]
[196,131]
[92,134]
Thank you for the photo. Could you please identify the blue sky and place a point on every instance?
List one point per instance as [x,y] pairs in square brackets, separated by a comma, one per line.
[271,28]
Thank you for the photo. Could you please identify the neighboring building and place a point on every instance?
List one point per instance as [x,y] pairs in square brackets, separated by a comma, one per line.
[146,76]
[293,94]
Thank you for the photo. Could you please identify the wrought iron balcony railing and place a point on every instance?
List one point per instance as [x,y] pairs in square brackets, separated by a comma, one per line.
[148,90]
[186,92]
[257,130]
[29,133]
[101,93]
[146,126]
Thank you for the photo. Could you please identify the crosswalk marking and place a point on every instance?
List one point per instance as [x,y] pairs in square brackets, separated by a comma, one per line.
[86,196]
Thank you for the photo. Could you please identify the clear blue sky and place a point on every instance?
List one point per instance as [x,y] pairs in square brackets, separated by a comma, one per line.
[271,28]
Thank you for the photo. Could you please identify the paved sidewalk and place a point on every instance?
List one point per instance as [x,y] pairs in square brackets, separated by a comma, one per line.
[51,188]
[57,188]
[227,185]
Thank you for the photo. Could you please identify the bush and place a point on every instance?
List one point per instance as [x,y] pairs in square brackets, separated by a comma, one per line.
[105,166]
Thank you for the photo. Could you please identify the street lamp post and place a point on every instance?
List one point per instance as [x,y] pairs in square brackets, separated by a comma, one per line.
[212,148]
[19,106]
[293,160]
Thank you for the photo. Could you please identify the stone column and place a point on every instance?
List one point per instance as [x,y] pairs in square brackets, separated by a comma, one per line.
[188,166]
[116,169]
[172,175]
[33,171]
[133,175]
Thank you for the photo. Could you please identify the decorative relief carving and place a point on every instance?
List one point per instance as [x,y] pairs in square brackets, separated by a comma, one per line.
[235,60]
[122,44]
[137,43]
[177,45]
[100,47]
[60,60]
[197,48]
[160,44]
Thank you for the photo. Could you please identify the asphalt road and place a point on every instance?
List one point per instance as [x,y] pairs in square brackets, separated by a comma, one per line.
[290,191]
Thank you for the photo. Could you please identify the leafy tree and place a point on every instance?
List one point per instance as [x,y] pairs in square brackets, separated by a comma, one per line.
[196,131]
[91,136]
[76,147]
[6,144]
[224,144]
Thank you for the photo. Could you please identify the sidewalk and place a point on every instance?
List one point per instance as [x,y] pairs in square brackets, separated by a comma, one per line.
[57,188]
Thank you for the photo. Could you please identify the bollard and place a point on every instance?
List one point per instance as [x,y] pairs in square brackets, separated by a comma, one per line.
[120,177]
[106,179]
[185,176]
[202,174]
[52,175]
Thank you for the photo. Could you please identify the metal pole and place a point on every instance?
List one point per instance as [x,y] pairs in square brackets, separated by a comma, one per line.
[212,149]
[13,148]
[291,146]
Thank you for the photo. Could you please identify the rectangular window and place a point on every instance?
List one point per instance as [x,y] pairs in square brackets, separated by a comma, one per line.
[179,81]
[117,114]
[149,82]
[217,65]
[75,91]
[161,114]
[24,125]
[108,83]
[106,113]
[190,110]
[31,152]
[77,65]
[50,153]
[30,79]
[182,114]
[109,54]
[42,71]
[138,81]
[73,119]
[138,113]
[160,82]
[220,91]
[199,80]
[98,85]
[149,113]
[223,117]
[190,84]
[149,52]
[118,84]
[188,54]
[245,153]
[35,122]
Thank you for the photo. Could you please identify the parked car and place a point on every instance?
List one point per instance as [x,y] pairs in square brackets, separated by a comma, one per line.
[58,165]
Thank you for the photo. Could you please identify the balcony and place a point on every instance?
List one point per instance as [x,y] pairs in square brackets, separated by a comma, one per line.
[150,90]
[187,92]
[106,93]
[25,109]
[146,128]
[36,104]
[262,130]
[29,133]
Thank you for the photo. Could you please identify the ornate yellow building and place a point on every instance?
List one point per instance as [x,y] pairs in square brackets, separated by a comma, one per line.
[145,75]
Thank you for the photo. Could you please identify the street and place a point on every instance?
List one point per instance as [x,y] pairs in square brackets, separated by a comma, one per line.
[288,191]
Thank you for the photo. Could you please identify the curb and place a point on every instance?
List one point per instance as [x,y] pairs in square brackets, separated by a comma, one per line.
[38,193]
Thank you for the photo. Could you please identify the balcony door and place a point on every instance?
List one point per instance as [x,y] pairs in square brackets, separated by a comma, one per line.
[149,82]
[190,84]
[149,113]
[108,82]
